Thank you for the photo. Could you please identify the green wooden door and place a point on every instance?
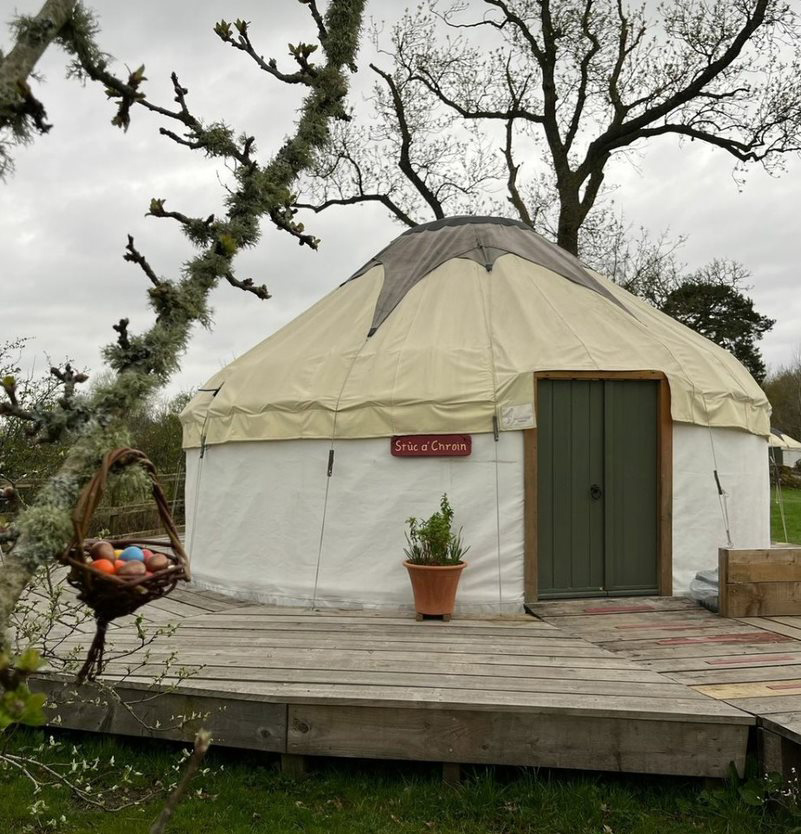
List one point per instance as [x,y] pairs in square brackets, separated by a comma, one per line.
[597,476]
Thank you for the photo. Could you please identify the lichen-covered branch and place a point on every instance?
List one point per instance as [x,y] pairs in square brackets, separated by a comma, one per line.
[143,362]
[22,115]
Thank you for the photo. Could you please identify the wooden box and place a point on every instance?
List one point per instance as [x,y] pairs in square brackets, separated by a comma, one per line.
[760,583]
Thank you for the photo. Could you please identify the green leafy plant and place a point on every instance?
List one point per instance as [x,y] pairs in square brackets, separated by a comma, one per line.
[433,541]
[18,705]
[776,791]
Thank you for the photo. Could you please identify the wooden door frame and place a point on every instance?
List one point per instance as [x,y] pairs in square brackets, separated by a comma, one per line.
[664,486]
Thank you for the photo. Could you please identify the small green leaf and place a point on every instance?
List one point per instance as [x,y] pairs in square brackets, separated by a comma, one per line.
[227,243]
[29,661]
[223,29]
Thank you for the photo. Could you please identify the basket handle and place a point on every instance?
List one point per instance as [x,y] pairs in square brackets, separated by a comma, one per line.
[92,493]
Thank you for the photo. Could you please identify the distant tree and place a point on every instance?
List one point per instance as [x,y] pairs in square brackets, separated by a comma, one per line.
[536,98]
[157,429]
[783,389]
[644,264]
[724,315]
[21,459]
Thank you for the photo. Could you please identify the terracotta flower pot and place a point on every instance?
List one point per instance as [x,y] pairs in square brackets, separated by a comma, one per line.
[434,587]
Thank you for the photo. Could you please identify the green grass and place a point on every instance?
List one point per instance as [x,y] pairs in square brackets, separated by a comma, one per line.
[245,793]
[791,498]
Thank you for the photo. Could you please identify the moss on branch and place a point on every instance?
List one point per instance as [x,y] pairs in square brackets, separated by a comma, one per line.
[143,362]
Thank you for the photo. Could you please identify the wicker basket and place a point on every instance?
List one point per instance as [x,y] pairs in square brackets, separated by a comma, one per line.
[108,595]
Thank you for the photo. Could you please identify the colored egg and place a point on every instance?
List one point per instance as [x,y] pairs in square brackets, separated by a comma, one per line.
[103,565]
[147,553]
[117,553]
[102,550]
[157,562]
[132,554]
[131,568]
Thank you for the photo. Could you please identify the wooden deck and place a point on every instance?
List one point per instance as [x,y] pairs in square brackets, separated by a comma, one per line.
[752,663]
[554,692]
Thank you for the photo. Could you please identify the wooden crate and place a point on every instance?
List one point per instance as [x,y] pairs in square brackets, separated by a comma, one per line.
[760,583]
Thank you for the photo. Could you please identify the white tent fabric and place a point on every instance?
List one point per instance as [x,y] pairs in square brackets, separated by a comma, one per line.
[260,526]
[297,545]
[698,525]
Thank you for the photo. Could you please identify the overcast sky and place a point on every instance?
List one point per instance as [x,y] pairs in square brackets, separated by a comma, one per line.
[79,190]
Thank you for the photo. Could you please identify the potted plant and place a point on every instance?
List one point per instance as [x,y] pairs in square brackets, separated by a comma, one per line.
[434,561]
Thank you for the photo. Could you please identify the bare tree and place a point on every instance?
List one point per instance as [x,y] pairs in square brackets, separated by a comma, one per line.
[94,423]
[565,86]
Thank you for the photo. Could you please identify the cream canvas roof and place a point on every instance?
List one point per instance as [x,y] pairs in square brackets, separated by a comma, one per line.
[780,440]
[442,331]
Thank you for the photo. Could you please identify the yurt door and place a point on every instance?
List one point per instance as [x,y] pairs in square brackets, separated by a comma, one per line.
[597,470]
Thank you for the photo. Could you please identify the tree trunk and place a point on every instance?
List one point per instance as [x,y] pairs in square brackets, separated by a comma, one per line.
[569,224]
[17,66]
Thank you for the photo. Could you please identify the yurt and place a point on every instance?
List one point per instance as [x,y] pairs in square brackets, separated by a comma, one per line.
[590,445]
[784,450]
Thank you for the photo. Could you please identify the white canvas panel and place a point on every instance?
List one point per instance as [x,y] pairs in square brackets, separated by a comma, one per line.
[698,527]
[791,457]
[371,496]
[254,512]
[268,499]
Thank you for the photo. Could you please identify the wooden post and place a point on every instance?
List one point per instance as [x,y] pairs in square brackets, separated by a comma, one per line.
[294,765]
[451,774]
[777,754]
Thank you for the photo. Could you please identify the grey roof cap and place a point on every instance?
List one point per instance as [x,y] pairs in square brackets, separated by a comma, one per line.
[420,250]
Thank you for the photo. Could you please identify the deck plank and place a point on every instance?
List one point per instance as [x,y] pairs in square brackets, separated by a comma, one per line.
[423,680]
[344,641]
[515,739]
[690,709]
[408,630]
[761,706]
[605,606]
[738,675]
[787,724]
[716,661]
[558,668]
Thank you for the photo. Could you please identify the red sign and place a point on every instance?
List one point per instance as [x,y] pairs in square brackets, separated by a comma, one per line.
[432,445]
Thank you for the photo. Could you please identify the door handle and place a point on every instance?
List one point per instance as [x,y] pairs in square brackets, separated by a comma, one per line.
[595,492]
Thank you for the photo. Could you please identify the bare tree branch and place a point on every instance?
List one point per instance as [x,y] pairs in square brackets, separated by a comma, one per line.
[246,284]
[133,255]
[581,81]
[405,162]
[514,195]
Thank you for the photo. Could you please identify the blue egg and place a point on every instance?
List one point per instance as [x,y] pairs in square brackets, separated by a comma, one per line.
[132,554]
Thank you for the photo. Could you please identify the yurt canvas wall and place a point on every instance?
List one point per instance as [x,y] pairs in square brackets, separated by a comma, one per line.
[255,513]
[462,327]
